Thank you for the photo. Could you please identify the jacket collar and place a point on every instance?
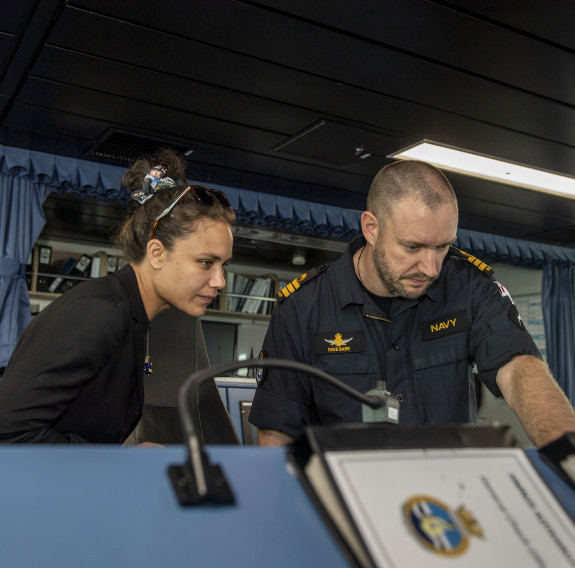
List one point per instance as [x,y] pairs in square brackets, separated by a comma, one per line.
[128,278]
[348,289]
[351,291]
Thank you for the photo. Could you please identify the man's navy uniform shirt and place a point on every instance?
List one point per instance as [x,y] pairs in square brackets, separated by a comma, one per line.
[423,349]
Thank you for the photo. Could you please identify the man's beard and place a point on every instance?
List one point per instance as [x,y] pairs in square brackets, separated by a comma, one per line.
[393,283]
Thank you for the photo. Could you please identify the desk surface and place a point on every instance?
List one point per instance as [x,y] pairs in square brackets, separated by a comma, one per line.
[95,506]
[563,492]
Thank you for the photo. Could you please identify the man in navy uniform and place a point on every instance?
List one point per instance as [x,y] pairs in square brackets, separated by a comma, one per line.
[404,307]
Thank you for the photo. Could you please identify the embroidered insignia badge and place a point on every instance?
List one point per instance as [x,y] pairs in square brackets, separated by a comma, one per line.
[260,376]
[514,315]
[446,325]
[339,342]
[503,291]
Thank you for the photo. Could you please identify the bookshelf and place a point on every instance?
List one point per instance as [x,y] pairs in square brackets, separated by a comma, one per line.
[238,302]
[52,270]
[246,296]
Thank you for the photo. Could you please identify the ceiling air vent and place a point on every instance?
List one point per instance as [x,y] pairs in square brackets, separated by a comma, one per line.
[126,147]
[337,143]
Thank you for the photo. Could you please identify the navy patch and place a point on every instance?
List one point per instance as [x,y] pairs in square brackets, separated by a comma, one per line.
[515,317]
[260,371]
[445,325]
[339,342]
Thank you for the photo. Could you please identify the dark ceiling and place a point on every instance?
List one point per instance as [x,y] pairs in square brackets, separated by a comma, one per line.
[279,96]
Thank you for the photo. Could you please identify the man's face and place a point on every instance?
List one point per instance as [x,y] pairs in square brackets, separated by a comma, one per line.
[410,249]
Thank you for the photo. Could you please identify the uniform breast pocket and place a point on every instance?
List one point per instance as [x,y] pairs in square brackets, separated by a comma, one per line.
[441,379]
[351,364]
[359,371]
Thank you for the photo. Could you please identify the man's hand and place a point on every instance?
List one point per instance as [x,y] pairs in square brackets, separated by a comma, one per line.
[272,438]
[538,401]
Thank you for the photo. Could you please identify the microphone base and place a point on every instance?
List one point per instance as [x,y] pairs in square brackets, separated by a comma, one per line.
[186,488]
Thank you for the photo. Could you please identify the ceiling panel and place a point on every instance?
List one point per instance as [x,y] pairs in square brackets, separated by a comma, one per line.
[470,40]
[13,15]
[6,45]
[551,20]
[193,96]
[366,64]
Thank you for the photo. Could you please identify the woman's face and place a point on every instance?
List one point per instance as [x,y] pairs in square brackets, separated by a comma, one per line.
[192,272]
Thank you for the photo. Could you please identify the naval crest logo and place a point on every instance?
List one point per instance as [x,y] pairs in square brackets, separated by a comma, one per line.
[339,341]
[437,527]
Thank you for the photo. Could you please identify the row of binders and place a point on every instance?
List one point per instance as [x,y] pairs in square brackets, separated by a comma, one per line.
[58,276]
[250,294]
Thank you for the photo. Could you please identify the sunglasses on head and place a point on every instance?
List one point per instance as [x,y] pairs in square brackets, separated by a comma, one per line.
[202,194]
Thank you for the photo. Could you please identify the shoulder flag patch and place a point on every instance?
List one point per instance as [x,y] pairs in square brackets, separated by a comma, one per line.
[294,285]
[487,270]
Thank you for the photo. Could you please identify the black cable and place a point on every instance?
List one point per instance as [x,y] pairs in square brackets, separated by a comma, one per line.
[197,481]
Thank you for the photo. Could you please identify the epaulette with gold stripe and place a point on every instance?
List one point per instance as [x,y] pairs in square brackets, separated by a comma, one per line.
[294,285]
[486,269]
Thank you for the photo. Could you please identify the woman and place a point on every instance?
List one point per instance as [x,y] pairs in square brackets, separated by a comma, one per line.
[76,373]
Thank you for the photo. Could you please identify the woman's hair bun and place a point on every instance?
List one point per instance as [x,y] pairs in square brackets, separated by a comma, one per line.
[175,166]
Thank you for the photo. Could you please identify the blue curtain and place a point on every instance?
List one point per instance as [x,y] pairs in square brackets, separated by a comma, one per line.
[64,175]
[557,293]
[559,318]
[491,248]
[102,182]
[288,214]
[68,175]
[21,221]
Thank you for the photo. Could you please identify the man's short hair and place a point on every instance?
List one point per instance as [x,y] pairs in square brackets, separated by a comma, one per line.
[409,178]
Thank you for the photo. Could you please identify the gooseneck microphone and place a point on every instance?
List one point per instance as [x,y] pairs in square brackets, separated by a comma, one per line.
[197,481]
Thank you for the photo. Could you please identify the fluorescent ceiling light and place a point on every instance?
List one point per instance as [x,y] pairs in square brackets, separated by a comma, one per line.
[484,167]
